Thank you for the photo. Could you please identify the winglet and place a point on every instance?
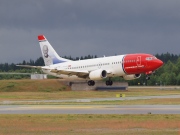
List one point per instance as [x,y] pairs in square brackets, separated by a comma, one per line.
[41,37]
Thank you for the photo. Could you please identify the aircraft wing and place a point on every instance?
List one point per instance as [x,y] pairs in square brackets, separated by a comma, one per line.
[81,74]
[29,66]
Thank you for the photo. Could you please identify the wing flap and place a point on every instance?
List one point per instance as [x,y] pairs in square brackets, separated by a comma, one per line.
[81,74]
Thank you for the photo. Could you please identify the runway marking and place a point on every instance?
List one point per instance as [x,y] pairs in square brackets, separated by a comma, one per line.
[88,107]
[36,107]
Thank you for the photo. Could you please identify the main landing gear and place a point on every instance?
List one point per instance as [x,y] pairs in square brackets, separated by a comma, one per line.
[108,82]
[91,83]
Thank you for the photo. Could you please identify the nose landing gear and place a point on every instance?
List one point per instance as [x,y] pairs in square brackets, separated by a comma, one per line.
[148,74]
[147,77]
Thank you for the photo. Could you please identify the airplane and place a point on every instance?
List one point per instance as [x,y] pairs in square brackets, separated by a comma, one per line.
[128,66]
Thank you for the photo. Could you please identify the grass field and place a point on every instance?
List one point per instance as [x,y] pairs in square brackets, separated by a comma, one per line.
[17,90]
[90,124]
[46,85]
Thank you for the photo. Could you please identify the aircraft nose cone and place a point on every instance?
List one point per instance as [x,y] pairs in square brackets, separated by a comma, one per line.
[159,63]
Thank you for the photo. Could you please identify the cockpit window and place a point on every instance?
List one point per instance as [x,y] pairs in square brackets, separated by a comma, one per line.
[148,58]
[151,58]
[154,57]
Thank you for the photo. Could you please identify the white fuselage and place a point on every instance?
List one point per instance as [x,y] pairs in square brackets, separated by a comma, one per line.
[112,65]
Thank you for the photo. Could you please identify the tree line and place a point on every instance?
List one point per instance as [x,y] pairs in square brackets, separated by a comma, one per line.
[6,67]
[169,74]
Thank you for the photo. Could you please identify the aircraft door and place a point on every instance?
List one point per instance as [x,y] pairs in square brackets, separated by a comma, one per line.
[141,62]
[138,61]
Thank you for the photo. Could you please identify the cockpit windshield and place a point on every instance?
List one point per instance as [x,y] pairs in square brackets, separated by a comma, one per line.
[151,58]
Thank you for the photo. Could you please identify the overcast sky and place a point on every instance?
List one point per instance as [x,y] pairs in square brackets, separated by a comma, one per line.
[82,27]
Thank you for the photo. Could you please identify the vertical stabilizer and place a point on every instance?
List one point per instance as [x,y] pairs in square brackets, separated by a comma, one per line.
[48,53]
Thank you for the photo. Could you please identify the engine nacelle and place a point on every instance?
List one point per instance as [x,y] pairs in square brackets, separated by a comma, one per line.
[131,77]
[97,74]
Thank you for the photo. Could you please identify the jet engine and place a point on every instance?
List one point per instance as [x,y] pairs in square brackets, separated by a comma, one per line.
[131,77]
[97,74]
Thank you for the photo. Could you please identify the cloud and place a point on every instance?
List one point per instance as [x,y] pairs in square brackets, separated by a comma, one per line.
[83,27]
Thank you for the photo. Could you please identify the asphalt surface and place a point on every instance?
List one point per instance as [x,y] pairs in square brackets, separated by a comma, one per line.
[86,99]
[90,109]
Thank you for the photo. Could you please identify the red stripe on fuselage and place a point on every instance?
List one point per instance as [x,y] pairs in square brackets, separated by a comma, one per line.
[135,63]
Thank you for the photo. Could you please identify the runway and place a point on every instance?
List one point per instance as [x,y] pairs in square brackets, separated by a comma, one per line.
[6,107]
[10,102]
[89,109]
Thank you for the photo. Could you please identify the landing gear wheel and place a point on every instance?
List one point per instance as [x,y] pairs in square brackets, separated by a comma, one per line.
[109,83]
[147,77]
[91,83]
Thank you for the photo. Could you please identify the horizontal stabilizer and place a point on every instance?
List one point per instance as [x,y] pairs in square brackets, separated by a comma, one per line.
[29,66]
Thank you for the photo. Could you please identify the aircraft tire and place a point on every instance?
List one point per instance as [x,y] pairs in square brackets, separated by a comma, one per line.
[91,83]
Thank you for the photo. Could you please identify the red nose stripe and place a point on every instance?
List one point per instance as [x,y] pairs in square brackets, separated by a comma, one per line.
[134,63]
[130,64]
